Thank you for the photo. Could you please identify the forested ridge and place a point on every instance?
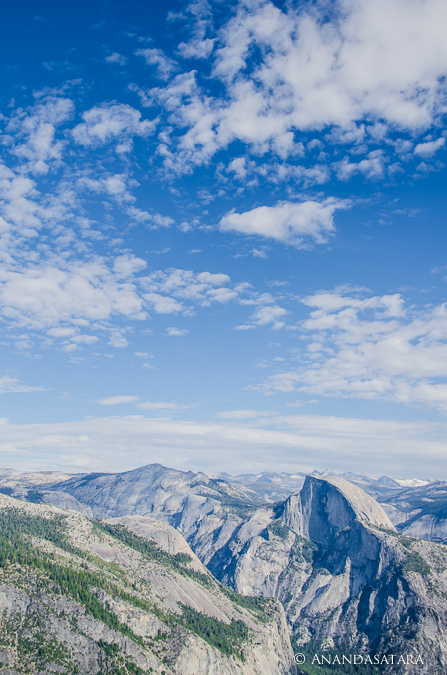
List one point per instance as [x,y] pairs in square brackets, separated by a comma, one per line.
[38,555]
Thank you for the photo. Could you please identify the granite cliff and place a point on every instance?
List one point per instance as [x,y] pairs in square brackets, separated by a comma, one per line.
[124,596]
[346,578]
[345,575]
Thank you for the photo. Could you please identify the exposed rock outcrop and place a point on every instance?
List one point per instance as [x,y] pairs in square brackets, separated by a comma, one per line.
[420,511]
[124,596]
[344,575]
[329,553]
[327,505]
[206,511]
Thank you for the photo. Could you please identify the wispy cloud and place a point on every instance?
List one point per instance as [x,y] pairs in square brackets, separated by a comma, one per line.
[11,385]
[369,347]
[287,443]
[429,148]
[117,58]
[165,406]
[172,331]
[268,313]
[163,64]
[117,400]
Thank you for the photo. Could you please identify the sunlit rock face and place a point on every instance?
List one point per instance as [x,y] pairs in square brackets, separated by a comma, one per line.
[126,595]
[329,552]
[327,505]
[206,511]
[345,577]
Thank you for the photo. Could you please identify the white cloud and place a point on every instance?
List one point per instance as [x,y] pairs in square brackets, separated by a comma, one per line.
[164,405]
[176,332]
[269,314]
[203,288]
[213,279]
[112,122]
[429,148]
[118,340]
[372,167]
[279,173]
[84,339]
[62,331]
[11,385]
[372,348]
[156,57]
[200,18]
[48,295]
[222,295]
[162,304]
[356,72]
[117,400]
[256,253]
[151,220]
[118,187]
[50,277]
[245,326]
[62,282]
[238,166]
[35,130]
[299,224]
[116,58]
[244,414]
[127,265]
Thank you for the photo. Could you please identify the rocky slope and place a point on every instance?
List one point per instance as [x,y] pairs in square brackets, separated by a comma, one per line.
[122,597]
[206,511]
[414,506]
[329,552]
[33,487]
[421,511]
[347,580]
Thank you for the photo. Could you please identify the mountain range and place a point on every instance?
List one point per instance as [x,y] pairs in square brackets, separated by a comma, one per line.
[357,564]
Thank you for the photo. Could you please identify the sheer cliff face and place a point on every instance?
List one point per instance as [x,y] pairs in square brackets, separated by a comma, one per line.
[328,505]
[329,553]
[344,576]
[124,596]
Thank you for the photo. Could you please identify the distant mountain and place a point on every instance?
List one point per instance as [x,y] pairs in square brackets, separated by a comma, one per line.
[328,552]
[346,577]
[273,487]
[420,511]
[123,597]
[269,486]
[204,510]
[416,506]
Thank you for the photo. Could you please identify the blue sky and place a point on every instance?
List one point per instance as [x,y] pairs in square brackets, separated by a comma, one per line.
[223,235]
